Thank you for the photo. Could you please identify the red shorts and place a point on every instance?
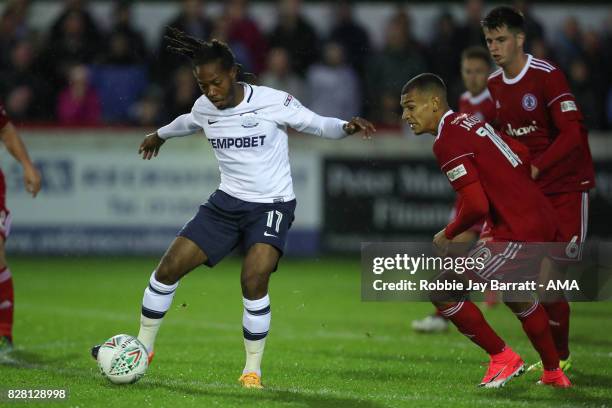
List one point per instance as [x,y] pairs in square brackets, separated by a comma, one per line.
[572,210]
[507,261]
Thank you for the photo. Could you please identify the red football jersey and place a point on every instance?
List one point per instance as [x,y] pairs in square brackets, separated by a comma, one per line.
[3,117]
[481,105]
[470,150]
[528,108]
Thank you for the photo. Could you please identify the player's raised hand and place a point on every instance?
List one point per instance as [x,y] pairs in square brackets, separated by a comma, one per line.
[31,179]
[357,124]
[150,146]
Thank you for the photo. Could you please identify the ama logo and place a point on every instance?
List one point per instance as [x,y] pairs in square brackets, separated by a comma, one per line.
[529,102]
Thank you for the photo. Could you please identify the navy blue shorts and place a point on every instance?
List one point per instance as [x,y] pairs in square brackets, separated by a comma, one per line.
[224,222]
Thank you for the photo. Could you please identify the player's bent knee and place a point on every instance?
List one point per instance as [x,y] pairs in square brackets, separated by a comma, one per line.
[254,283]
[168,272]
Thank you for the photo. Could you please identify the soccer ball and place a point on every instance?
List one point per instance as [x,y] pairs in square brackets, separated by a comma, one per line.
[123,359]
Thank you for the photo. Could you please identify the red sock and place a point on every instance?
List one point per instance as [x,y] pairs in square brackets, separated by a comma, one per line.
[6,303]
[470,321]
[535,325]
[559,316]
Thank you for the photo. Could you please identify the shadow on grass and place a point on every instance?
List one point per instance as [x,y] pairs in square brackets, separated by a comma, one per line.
[270,395]
[30,360]
[33,361]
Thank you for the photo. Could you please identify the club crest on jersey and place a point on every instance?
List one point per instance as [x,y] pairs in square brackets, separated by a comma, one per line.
[249,120]
[529,102]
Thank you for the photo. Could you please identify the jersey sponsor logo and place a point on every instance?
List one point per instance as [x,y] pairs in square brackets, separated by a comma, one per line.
[212,122]
[567,106]
[529,102]
[522,131]
[266,234]
[456,172]
[238,143]
[288,100]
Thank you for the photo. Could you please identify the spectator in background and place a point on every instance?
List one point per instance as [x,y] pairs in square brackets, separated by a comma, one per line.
[23,89]
[584,90]
[569,42]
[471,30]
[293,33]
[191,20]
[181,92]
[278,74]
[533,28]
[72,44]
[221,32]
[243,30]
[387,71]
[351,36]
[148,110]
[126,45]
[78,104]
[13,27]
[599,70]
[445,53]
[88,30]
[333,85]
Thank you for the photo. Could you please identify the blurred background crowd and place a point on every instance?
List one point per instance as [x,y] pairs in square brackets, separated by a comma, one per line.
[76,73]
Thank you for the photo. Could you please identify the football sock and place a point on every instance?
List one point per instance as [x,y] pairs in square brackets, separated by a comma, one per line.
[155,303]
[536,326]
[255,326]
[469,320]
[559,320]
[6,303]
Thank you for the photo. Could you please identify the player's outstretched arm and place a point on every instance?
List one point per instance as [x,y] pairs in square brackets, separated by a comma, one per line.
[17,149]
[183,125]
[150,146]
[358,124]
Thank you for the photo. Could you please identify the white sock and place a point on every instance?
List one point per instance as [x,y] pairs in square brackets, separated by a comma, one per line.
[155,303]
[148,331]
[255,326]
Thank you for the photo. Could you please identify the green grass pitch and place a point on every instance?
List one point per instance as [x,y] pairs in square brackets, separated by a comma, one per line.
[326,348]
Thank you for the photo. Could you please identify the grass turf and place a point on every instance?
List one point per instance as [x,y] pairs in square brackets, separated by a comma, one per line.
[326,348]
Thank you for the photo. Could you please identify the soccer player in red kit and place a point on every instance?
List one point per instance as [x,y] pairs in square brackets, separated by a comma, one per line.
[17,149]
[475,69]
[489,177]
[535,106]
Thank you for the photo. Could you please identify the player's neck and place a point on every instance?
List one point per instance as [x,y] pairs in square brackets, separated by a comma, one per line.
[515,67]
[438,118]
[238,95]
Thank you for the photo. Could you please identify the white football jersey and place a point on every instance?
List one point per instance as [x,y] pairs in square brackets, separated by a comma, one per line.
[250,140]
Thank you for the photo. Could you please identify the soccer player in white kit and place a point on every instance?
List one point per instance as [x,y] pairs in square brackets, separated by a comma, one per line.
[246,126]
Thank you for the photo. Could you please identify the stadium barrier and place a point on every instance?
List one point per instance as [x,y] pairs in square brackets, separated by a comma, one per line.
[99,197]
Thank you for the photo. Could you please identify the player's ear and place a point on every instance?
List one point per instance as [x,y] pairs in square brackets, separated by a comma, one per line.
[520,39]
[435,103]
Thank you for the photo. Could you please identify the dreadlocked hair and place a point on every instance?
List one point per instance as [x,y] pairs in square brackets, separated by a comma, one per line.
[203,52]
